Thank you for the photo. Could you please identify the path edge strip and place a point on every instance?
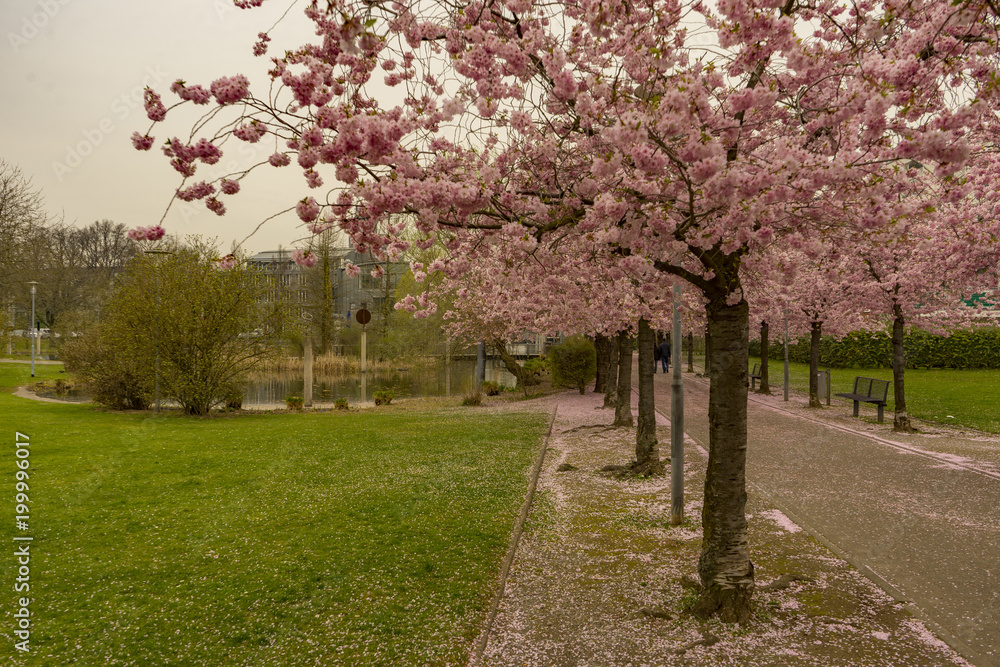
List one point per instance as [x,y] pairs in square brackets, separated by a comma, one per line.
[477,655]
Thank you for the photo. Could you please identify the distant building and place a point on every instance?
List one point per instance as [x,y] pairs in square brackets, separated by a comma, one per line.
[290,282]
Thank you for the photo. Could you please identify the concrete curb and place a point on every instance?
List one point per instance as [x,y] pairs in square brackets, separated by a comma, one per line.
[477,654]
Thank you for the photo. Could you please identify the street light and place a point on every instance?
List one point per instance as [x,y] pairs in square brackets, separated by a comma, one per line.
[31,329]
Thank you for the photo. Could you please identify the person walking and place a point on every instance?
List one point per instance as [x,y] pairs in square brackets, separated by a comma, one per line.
[665,354]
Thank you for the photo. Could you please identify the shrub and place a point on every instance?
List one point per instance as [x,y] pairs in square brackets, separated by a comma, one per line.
[294,402]
[964,348]
[383,397]
[574,362]
[177,312]
[234,398]
[340,404]
[533,369]
[473,398]
[119,381]
[491,388]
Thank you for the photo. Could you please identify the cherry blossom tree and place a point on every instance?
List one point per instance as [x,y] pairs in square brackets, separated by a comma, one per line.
[919,270]
[683,137]
[814,289]
[511,288]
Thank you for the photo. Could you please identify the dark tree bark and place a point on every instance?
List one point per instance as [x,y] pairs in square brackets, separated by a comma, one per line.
[765,386]
[727,574]
[647,452]
[708,350]
[623,402]
[611,388]
[690,352]
[901,420]
[815,335]
[603,346]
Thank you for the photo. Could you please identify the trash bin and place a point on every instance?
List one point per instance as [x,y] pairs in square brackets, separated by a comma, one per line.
[823,383]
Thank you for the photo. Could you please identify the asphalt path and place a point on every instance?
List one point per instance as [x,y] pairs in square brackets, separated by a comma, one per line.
[923,528]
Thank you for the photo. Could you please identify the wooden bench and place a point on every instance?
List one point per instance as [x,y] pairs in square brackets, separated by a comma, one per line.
[869,390]
[754,376]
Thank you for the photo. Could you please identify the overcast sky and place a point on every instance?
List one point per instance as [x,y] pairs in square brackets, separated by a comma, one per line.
[72,74]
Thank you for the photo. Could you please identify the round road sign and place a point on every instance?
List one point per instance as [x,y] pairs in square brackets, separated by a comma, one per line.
[364,317]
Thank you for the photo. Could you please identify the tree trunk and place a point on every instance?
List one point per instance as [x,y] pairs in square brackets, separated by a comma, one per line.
[510,363]
[708,350]
[690,352]
[611,388]
[647,452]
[765,386]
[727,575]
[603,346]
[901,421]
[481,364]
[815,334]
[623,401]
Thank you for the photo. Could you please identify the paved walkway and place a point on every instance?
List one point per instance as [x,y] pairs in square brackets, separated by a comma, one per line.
[926,527]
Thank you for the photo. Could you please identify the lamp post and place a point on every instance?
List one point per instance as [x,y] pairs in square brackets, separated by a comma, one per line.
[31,329]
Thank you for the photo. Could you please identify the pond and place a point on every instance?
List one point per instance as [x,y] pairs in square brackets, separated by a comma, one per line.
[428,381]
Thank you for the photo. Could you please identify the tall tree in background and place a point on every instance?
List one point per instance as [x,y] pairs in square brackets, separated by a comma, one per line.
[22,221]
[323,285]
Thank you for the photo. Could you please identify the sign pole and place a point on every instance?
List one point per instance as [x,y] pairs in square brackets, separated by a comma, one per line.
[676,420]
[364,317]
[786,355]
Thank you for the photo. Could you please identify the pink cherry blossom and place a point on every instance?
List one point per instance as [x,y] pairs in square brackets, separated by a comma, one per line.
[279,160]
[250,132]
[230,89]
[199,190]
[151,233]
[196,94]
[353,270]
[154,105]
[142,142]
[307,209]
[260,46]
[215,206]
[313,179]
[304,257]
[227,262]
[229,187]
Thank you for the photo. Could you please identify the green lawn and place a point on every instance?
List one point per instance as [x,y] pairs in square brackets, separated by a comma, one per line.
[968,398]
[368,538]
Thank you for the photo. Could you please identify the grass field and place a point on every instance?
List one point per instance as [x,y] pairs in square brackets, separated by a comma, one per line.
[360,538]
[968,398]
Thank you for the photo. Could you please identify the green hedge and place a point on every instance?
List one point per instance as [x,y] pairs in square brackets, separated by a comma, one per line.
[965,348]
[574,362]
